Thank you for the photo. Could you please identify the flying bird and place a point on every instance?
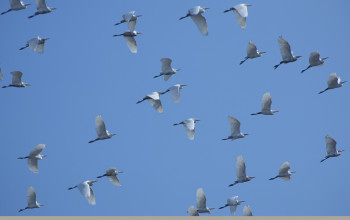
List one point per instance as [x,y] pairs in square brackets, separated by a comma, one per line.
[86,190]
[252,52]
[41,8]
[284,173]
[240,172]
[247,211]
[266,106]
[314,60]
[195,14]
[36,44]
[1,76]
[189,125]
[111,174]
[31,199]
[154,99]
[286,52]
[233,202]
[333,82]
[192,211]
[241,13]
[167,70]
[129,37]
[16,5]
[17,80]
[201,202]
[331,148]
[131,19]
[102,132]
[235,129]
[175,92]
[34,156]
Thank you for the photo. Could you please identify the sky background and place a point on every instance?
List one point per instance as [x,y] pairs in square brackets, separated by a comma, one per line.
[85,72]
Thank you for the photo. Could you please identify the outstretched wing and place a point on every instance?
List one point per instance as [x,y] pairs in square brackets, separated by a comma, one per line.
[201,23]
[100,127]
[192,211]
[333,80]
[40,4]
[131,42]
[175,93]
[240,168]
[16,77]
[252,51]
[33,165]
[31,196]
[285,49]
[266,102]
[247,211]
[330,145]
[36,150]
[314,58]
[235,125]
[201,200]
[166,65]
[190,128]
[114,179]
[284,169]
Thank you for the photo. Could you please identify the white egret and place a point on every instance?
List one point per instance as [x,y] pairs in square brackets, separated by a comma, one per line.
[31,200]
[102,132]
[241,13]
[167,70]
[266,105]
[233,202]
[286,52]
[17,80]
[252,52]
[154,99]
[175,92]
[41,8]
[331,148]
[240,172]
[284,173]
[130,40]
[34,156]
[86,190]
[196,15]
[192,211]
[131,19]
[189,125]
[247,211]
[235,129]
[201,202]
[16,5]
[314,60]
[333,82]
[36,44]
[111,174]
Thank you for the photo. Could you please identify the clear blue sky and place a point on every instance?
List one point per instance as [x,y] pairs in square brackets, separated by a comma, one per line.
[85,72]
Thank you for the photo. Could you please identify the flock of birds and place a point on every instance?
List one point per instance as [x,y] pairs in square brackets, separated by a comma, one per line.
[240,11]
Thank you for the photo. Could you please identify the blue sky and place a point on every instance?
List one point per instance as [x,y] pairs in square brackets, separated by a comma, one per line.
[85,72]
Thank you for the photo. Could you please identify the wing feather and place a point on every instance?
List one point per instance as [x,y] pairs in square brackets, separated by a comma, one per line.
[201,23]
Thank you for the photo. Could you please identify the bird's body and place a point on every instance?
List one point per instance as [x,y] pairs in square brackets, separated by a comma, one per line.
[314,60]
[192,211]
[16,5]
[195,14]
[36,44]
[31,200]
[167,70]
[17,80]
[235,129]
[284,173]
[189,125]
[331,148]
[266,105]
[41,8]
[232,202]
[175,92]
[154,99]
[241,171]
[129,37]
[201,202]
[333,82]
[102,132]
[111,174]
[252,52]
[131,19]
[286,52]
[86,190]
[241,13]
[247,211]
[33,157]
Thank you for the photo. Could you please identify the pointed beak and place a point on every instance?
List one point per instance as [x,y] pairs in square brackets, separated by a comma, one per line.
[325,58]
[263,52]
[27,4]
[139,33]
[247,134]
[178,69]
[298,56]
[292,171]
[206,8]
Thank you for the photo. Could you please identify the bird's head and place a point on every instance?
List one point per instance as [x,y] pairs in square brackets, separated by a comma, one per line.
[111,135]
[262,52]
[53,9]
[46,38]
[339,151]
[250,177]
[26,84]
[137,32]
[118,171]
[195,120]
[43,155]
[206,8]
[177,70]
[247,5]
[297,57]
[138,16]
[274,111]
[27,5]
[41,204]
[245,134]
[292,171]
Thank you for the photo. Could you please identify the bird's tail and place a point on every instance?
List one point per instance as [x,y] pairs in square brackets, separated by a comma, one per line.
[323,91]
[273,178]
[243,61]
[27,45]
